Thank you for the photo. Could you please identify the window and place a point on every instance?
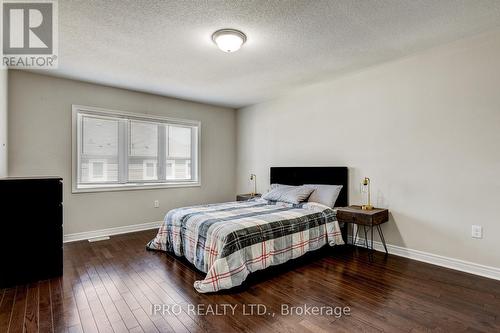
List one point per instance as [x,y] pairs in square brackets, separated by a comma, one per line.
[99,150]
[115,150]
[143,150]
[178,157]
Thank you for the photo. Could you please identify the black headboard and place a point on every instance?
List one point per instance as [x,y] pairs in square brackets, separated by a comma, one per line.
[314,175]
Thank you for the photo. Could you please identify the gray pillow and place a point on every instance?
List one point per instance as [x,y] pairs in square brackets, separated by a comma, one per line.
[324,194]
[287,193]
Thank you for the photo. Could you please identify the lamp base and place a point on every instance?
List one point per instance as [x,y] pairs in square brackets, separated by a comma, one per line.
[367,207]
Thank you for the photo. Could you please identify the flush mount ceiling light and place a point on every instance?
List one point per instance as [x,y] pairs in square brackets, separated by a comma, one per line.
[229,40]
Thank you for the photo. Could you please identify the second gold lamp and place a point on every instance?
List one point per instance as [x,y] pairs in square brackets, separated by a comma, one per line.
[366,188]
[254,178]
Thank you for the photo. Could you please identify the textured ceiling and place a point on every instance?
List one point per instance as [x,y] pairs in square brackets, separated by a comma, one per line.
[164,47]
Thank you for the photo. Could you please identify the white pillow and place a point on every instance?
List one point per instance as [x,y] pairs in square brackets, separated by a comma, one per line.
[275,186]
[287,193]
[324,194]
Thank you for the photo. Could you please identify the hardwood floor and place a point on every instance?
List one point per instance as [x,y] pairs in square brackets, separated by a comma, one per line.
[110,286]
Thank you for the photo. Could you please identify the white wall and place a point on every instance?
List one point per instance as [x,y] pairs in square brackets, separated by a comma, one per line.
[40,144]
[426,129]
[3,123]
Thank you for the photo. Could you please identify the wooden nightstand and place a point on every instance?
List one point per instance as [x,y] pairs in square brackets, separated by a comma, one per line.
[367,219]
[248,196]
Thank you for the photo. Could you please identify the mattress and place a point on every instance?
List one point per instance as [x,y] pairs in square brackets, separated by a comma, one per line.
[230,240]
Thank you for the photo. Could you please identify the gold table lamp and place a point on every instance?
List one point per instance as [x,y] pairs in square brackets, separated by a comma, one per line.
[254,178]
[368,206]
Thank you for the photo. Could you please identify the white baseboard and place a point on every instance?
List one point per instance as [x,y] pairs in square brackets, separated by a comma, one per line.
[456,264]
[110,231]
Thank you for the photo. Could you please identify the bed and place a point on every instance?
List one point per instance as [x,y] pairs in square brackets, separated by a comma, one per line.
[228,241]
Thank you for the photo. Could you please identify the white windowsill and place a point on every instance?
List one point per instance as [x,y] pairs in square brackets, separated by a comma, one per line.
[131,187]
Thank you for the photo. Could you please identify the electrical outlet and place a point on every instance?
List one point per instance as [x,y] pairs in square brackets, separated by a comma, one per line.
[477,231]
[156,203]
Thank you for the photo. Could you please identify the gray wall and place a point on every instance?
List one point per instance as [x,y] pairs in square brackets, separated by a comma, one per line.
[40,144]
[3,122]
[426,129]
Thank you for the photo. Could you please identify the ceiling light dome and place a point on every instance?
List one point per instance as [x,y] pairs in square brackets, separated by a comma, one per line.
[229,40]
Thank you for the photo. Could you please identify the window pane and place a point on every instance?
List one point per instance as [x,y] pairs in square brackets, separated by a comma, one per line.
[178,169]
[99,150]
[143,152]
[179,142]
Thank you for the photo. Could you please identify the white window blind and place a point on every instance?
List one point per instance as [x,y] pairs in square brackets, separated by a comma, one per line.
[118,150]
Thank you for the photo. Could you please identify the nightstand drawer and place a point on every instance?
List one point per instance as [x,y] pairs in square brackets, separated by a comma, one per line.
[354,214]
[351,217]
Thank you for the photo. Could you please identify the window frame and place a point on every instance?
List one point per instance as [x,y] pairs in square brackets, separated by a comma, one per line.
[123,151]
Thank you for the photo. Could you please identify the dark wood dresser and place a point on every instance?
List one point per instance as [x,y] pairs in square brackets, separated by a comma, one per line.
[31,215]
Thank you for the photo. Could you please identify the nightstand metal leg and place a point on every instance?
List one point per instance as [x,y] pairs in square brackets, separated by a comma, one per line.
[381,234]
[371,230]
[366,236]
[353,241]
[352,232]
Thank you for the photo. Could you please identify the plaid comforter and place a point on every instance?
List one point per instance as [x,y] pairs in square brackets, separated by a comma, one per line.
[228,241]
